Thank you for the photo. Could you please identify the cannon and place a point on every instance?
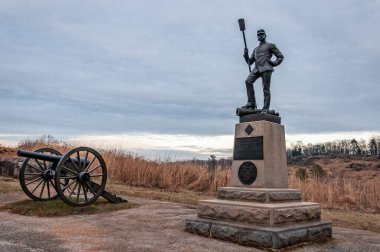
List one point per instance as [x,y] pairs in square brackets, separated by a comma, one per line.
[78,177]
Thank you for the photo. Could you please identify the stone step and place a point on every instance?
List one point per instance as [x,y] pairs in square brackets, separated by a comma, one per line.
[260,236]
[259,194]
[268,214]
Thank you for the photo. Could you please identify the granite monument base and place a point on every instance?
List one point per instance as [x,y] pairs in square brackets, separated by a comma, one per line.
[260,236]
[262,217]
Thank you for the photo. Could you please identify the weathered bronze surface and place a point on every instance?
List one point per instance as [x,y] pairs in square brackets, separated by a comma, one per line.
[245,111]
[242,28]
[260,117]
[249,148]
[249,129]
[264,66]
[247,173]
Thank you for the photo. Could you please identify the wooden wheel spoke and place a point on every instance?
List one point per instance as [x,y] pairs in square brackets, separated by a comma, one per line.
[66,186]
[95,168]
[42,190]
[69,177]
[51,182]
[37,186]
[85,161]
[34,180]
[33,173]
[71,193]
[78,192]
[68,169]
[85,193]
[48,188]
[39,164]
[79,163]
[92,190]
[35,168]
[97,175]
[88,166]
[75,165]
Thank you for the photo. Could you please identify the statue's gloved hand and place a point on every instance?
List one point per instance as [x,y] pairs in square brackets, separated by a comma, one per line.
[245,51]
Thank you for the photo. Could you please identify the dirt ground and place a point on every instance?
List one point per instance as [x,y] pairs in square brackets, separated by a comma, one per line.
[152,226]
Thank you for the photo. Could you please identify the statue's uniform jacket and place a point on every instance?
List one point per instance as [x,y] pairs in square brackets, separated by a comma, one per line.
[262,55]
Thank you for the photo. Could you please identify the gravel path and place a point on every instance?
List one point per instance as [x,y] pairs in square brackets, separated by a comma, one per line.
[152,226]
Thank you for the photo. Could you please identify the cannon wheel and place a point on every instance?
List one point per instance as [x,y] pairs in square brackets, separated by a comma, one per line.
[81,177]
[37,177]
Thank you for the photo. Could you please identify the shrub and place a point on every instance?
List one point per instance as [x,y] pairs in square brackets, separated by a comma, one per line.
[301,174]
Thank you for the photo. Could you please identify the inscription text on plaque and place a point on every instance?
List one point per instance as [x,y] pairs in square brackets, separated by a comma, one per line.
[249,148]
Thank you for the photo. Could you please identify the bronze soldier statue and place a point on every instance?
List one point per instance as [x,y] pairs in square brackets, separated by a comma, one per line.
[261,56]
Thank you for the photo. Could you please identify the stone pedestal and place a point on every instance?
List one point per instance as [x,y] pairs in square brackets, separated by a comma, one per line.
[259,209]
[262,144]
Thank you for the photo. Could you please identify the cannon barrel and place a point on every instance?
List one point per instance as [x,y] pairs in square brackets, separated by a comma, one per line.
[49,158]
[38,155]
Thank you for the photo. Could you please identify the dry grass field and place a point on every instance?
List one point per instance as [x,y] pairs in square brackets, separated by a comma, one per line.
[338,187]
[343,183]
[348,188]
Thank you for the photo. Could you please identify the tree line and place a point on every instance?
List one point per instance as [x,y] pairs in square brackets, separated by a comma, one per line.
[337,147]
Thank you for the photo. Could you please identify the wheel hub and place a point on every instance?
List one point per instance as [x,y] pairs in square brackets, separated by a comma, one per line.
[84,177]
[47,174]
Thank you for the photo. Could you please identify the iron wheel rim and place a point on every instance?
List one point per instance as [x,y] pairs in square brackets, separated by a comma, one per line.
[33,180]
[81,183]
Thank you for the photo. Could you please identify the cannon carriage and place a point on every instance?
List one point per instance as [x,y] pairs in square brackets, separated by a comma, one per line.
[78,177]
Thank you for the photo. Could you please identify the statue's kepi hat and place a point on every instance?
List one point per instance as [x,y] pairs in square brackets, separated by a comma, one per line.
[261,31]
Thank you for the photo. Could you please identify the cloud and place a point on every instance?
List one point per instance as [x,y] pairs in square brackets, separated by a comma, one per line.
[169,67]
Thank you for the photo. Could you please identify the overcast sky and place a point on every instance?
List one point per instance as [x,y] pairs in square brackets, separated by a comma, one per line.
[174,69]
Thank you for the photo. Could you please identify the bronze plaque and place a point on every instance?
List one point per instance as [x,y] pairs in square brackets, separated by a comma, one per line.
[247,173]
[249,148]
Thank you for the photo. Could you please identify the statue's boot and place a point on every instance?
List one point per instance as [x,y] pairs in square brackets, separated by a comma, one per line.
[266,101]
[250,105]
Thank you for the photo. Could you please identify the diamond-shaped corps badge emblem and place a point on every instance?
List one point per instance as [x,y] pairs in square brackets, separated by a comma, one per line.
[249,129]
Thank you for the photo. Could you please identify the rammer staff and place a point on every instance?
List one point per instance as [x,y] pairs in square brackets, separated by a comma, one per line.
[242,28]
